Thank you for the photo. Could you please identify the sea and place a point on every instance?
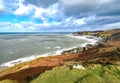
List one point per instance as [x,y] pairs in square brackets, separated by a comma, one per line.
[16,48]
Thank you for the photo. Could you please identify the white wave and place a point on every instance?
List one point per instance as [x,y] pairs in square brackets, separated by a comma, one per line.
[47,47]
[26,59]
[58,52]
[11,52]
[92,40]
[24,39]
[57,47]
[17,61]
[29,58]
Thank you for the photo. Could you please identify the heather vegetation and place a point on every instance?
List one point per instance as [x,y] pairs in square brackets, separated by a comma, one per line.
[98,70]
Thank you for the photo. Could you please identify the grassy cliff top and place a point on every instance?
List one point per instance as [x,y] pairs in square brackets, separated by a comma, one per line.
[106,33]
[109,33]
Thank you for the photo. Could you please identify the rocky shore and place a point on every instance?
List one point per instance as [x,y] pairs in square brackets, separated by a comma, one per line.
[98,34]
[104,52]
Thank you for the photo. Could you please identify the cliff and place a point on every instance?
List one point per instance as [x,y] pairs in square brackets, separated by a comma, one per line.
[106,33]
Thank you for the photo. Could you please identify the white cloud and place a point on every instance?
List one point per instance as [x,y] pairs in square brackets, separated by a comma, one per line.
[17,25]
[8,26]
[38,12]
[113,25]
[45,13]
[7,6]
[32,28]
[73,22]
[104,1]
[23,9]
[97,14]
[77,2]
[52,10]
[79,22]
[2,24]
[2,7]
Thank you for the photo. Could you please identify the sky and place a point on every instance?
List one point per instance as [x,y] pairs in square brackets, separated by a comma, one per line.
[58,15]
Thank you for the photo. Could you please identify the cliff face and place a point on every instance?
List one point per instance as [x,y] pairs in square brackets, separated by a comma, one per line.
[109,53]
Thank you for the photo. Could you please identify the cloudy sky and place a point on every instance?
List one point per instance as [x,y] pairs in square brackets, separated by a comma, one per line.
[58,15]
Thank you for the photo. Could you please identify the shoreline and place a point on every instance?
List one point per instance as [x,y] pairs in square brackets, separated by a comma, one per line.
[12,63]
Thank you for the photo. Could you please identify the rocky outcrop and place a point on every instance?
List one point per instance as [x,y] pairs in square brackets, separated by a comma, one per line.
[106,35]
[110,38]
[93,33]
[79,49]
[115,36]
[74,50]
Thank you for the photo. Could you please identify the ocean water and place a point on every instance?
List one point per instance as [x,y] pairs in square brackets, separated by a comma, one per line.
[19,47]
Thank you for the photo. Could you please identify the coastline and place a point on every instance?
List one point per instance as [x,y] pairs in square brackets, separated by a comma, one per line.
[92,40]
[100,53]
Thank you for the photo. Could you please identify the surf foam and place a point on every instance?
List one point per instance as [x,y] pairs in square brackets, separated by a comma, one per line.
[91,40]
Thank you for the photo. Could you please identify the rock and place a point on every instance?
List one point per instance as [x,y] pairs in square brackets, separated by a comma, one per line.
[115,36]
[74,50]
[77,33]
[99,44]
[89,47]
[79,67]
[67,52]
[79,49]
